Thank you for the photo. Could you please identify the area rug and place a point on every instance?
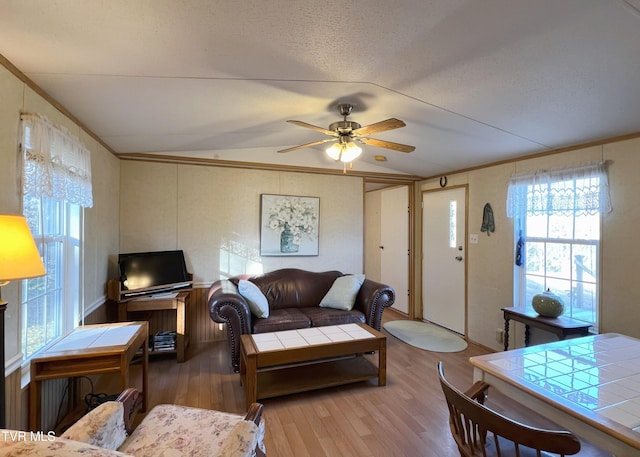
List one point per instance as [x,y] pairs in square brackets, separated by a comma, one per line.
[426,336]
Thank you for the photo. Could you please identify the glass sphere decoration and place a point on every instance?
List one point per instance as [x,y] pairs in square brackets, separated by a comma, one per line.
[548,304]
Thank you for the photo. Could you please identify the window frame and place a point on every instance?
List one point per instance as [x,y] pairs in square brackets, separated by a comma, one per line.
[520,272]
[62,286]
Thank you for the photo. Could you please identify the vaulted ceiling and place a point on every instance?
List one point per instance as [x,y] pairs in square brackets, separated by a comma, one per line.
[476,81]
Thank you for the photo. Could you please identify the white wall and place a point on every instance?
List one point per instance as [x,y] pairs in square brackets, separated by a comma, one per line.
[207,211]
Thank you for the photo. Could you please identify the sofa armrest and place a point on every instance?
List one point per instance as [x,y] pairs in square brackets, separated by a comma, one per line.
[227,306]
[254,413]
[102,427]
[372,299]
[246,438]
[241,441]
[109,424]
[131,400]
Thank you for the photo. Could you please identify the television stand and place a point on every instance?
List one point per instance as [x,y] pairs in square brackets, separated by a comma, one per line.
[158,308]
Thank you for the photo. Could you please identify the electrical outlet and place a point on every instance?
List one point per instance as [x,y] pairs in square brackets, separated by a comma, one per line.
[500,335]
[473,238]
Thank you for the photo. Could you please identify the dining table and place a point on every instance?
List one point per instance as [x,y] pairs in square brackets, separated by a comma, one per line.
[589,385]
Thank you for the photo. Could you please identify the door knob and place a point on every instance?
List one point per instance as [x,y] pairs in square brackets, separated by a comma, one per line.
[459,258]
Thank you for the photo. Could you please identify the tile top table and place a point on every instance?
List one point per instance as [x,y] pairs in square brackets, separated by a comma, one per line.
[309,336]
[590,385]
[292,361]
[88,350]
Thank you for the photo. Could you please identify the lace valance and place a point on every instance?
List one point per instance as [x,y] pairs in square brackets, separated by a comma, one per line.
[579,190]
[55,163]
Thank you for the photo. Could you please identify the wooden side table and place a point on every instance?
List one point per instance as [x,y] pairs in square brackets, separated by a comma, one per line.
[179,303]
[90,350]
[562,327]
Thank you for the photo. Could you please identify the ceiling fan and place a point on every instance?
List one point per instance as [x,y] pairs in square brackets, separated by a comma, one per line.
[346,133]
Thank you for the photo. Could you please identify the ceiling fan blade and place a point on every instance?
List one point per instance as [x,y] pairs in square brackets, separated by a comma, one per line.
[313,127]
[387,144]
[381,126]
[307,145]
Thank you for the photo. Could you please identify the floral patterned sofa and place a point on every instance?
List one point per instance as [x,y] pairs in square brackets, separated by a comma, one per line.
[167,431]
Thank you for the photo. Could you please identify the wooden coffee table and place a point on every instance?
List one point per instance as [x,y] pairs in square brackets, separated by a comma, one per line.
[292,361]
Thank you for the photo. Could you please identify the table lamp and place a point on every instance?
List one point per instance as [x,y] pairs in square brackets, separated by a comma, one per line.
[19,259]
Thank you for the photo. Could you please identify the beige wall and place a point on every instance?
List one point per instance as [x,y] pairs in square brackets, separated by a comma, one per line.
[151,206]
[492,288]
[207,211]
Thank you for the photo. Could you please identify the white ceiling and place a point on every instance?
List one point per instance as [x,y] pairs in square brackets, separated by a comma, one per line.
[476,81]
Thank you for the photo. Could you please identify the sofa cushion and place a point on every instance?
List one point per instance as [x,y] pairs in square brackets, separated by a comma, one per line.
[255,298]
[343,292]
[282,319]
[294,288]
[321,317]
[173,430]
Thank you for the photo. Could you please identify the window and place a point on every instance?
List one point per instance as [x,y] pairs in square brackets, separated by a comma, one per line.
[50,304]
[557,221]
[56,187]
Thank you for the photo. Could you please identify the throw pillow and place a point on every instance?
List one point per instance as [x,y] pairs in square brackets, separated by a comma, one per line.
[343,292]
[256,300]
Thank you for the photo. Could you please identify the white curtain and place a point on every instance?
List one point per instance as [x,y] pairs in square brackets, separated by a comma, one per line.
[55,163]
[579,190]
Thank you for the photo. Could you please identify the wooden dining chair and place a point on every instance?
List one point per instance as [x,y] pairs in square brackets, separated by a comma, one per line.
[480,431]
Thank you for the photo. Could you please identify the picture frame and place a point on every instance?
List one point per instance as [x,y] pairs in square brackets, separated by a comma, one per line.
[289,225]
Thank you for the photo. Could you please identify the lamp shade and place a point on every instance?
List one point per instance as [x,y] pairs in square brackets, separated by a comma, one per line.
[19,256]
[345,151]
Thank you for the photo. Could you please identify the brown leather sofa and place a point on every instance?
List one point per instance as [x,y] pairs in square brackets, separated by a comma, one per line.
[294,296]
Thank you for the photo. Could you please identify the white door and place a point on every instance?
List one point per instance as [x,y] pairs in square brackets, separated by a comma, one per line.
[394,244]
[444,258]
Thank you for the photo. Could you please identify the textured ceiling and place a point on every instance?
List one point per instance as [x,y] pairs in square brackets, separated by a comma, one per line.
[476,81]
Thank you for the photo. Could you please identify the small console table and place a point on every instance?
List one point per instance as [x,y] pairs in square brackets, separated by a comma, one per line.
[178,301]
[89,350]
[562,327]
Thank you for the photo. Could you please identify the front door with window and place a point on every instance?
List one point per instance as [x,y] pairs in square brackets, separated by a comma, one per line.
[444,258]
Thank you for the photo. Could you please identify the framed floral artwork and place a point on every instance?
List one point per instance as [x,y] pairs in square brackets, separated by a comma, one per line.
[289,225]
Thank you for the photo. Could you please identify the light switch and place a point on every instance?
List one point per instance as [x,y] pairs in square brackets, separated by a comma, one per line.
[473,238]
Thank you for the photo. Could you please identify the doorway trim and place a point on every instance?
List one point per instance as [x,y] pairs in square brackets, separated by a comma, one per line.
[411,258]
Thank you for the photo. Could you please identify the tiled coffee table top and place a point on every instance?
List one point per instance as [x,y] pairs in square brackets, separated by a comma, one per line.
[309,337]
[601,374]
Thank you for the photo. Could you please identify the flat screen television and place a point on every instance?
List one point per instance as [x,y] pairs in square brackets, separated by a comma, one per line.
[146,273]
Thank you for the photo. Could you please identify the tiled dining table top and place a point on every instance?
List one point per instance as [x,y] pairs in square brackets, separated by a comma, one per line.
[598,373]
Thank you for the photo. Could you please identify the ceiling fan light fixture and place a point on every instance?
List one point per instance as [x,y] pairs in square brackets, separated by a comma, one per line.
[344,151]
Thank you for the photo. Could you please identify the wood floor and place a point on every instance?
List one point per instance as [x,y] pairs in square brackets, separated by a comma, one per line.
[407,417]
